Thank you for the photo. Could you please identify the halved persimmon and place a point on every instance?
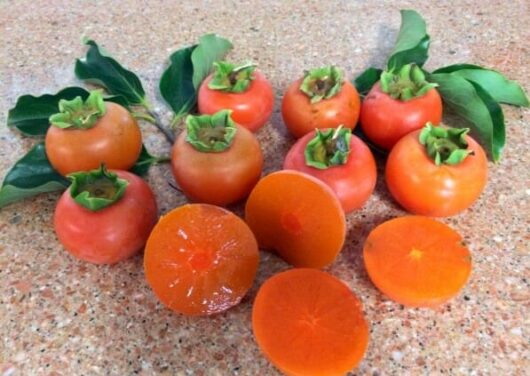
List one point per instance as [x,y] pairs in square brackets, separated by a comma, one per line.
[200,259]
[308,322]
[417,261]
[298,216]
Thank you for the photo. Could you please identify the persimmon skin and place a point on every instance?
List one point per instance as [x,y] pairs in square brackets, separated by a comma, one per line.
[112,234]
[385,120]
[353,182]
[250,109]
[417,261]
[200,259]
[301,312]
[423,188]
[301,116]
[221,178]
[298,216]
[114,140]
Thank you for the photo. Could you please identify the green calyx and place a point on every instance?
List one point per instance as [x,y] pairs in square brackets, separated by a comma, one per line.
[407,83]
[96,189]
[322,83]
[79,114]
[445,145]
[211,133]
[328,148]
[231,78]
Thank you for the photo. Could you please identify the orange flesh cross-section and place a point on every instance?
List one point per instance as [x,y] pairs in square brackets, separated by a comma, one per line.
[200,259]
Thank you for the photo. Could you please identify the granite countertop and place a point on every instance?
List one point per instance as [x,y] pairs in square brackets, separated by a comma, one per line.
[60,316]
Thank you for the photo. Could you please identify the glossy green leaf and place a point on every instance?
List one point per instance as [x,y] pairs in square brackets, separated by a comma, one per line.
[31,175]
[103,70]
[474,104]
[497,119]
[498,87]
[176,84]
[146,160]
[30,114]
[118,99]
[187,69]
[211,48]
[412,45]
[367,79]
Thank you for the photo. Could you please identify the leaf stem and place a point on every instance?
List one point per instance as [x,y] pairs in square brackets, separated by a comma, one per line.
[144,116]
[153,118]
[163,159]
[177,118]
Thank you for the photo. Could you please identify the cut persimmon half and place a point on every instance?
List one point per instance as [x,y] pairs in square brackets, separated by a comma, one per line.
[417,261]
[200,259]
[298,216]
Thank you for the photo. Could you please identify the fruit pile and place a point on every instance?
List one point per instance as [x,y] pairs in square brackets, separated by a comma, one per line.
[200,258]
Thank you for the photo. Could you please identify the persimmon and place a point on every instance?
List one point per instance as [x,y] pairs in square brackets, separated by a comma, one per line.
[85,134]
[242,89]
[417,261]
[320,99]
[339,159]
[298,216]
[105,217]
[200,259]
[216,161]
[401,102]
[436,171]
[308,322]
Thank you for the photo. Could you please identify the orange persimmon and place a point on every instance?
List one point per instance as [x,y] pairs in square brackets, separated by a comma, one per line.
[200,259]
[298,216]
[417,261]
[308,322]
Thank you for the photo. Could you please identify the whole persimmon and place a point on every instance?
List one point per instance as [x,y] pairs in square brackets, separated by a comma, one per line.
[242,89]
[436,171]
[85,134]
[321,99]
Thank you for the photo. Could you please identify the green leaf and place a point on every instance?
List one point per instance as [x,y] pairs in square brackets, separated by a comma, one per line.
[367,79]
[30,114]
[498,87]
[211,48]
[118,99]
[412,45]
[474,104]
[146,160]
[187,68]
[31,175]
[105,71]
[497,119]
[176,84]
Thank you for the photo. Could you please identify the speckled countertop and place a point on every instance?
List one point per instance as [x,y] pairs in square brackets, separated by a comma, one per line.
[60,316]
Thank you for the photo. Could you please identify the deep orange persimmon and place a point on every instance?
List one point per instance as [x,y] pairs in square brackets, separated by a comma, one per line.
[417,261]
[114,140]
[298,216]
[200,259]
[308,322]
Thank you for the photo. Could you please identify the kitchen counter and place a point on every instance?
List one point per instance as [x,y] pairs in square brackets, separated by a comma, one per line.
[60,316]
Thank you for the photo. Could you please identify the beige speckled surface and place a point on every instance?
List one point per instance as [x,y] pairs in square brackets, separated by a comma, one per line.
[59,316]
